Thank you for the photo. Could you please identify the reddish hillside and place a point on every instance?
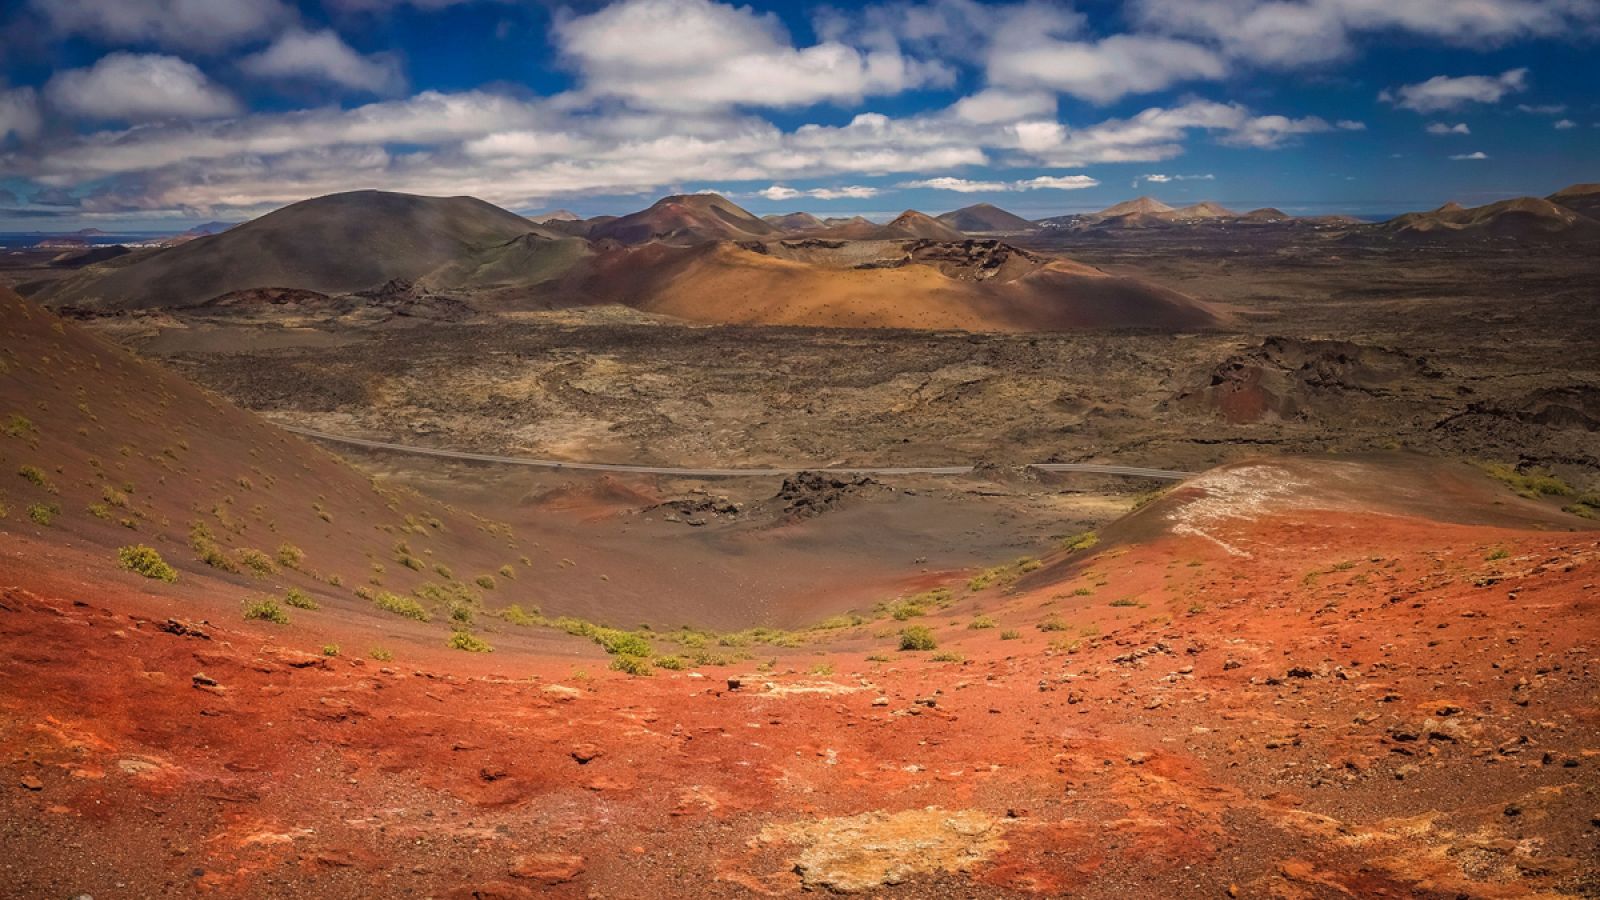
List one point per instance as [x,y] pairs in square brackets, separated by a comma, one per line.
[102,451]
[913,224]
[685,219]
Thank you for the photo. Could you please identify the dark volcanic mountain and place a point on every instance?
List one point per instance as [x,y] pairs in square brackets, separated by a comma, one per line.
[985,218]
[913,224]
[1522,218]
[685,219]
[334,244]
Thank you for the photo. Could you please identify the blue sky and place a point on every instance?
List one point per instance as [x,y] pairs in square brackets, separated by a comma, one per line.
[152,114]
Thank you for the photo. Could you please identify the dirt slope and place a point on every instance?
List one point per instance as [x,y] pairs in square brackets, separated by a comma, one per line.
[685,219]
[339,243]
[913,224]
[924,285]
[985,218]
[1522,218]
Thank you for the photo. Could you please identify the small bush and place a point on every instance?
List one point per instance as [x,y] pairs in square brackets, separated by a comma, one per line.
[823,669]
[633,665]
[36,477]
[290,556]
[1053,624]
[1124,602]
[330,649]
[44,513]
[400,606]
[147,562]
[672,663]
[917,637]
[266,609]
[469,642]
[1498,553]
[485,581]
[507,572]
[516,615]
[99,510]
[1533,483]
[443,571]
[259,564]
[299,599]
[1010,634]
[979,623]
[1082,541]
[380,654]
[949,656]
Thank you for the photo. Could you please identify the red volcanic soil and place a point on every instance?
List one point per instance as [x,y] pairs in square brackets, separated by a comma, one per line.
[1331,678]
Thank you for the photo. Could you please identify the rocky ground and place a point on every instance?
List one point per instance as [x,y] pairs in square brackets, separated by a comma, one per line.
[1269,684]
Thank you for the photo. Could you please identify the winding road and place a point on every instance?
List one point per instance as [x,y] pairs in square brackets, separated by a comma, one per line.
[1129,471]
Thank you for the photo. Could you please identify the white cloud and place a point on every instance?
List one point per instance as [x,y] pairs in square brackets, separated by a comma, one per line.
[1564,124]
[996,105]
[1478,155]
[189,24]
[1057,183]
[1299,33]
[134,87]
[19,113]
[1102,71]
[324,56]
[1350,125]
[697,54]
[959,185]
[1442,92]
[1165,179]
[1039,183]
[1549,109]
[783,192]
[1442,128]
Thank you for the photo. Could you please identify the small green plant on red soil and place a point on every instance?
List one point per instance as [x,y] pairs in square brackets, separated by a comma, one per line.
[299,599]
[443,571]
[147,562]
[834,623]
[381,655]
[290,556]
[330,649]
[507,572]
[1081,541]
[917,637]
[1003,576]
[1125,602]
[36,477]
[400,606]
[259,564]
[486,582]
[113,497]
[516,615]
[19,427]
[822,668]
[1498,553]
[1054,624]
[947,656]
[100,511]
[267,610]
[671,663]
[336,580]
[1010,634]
[1530,483]
[469,642]
[44,513]
[1196,607]
[878,658]
[206,548]
[979,623]
[633,665]
[1587,506]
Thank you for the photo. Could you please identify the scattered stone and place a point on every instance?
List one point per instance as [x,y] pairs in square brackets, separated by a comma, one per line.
[585,752]
[549,868]
[31,783]
[561,693]
[183,629]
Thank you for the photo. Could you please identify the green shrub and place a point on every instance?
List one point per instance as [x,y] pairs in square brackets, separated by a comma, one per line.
[979,623]
[507,572]
[469,642]
[1532,483]
[1124,602]
[1010,634]
[36,477]
[1053,624]
[380,654]
[259,564]
[917,637]
[147,562]
[633,665]
[443,571]
[99,510]
[44,513]
[1081,541]
[823,669]
[299,599]
[485,581]
[515,615]
[18,426]
[949,656]
[330,649]
[266,609]
[400,606]
[290,556]
[673,663]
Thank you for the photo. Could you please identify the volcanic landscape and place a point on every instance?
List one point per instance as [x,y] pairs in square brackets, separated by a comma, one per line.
[390,545]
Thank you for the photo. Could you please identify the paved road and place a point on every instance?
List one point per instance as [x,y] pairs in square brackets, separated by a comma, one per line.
[1131,471]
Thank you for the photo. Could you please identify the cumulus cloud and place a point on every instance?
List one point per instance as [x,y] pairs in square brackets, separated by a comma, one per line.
[1564,124]
[697,54]
[1166,179]
[1039,183]
[1548,109]
[1442,92]
[19,113]
[1103,71]
[1298,33]
[323,56]
[1442,128]
[187,24]
[1477,155]
[782,192]
[133,87]
[997,105]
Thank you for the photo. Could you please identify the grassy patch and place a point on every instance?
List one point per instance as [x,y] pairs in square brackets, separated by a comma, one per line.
[290,556]
[917,637]
[44,513]
[979,623]
[299,599]
[1530,483]
[1081,541]
[468,642]
[267,610]
[400,606]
